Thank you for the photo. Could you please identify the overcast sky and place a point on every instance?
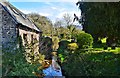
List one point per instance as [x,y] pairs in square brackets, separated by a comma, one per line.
[52,10]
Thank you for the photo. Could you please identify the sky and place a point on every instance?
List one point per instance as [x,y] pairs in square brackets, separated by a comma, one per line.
[52,10]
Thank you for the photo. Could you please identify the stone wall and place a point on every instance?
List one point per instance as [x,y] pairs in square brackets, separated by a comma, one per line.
[8,26]
[0,42]
[0,28]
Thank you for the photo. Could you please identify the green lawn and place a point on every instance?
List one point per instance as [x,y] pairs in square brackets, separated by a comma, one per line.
[117,50]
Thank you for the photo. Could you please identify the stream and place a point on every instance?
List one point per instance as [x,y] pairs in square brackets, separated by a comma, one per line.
[54,69]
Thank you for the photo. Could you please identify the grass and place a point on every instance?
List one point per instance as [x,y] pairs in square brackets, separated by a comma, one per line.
[117,50]
[100,47]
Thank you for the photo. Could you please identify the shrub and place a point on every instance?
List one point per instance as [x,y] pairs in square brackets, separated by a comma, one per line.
[15,62]
[84,40]
[55,40]
[92,64]
[46,46]
[72,46]
[16,65]
[55,45]
[63,46]
[105,47]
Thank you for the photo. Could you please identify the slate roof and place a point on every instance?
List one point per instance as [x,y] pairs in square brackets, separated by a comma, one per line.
[19,16]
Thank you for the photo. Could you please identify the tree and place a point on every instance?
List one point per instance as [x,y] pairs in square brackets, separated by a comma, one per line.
[67,19]
[68,24]
[44,23]
[58,23]
[64,27]
[101,19]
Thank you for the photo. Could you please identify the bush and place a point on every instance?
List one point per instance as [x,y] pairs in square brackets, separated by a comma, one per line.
[84,40]
[46,46]
[16,65]
[15,62]
[91,64]
[63,46]
[72,46]
[55,45]
[105,47]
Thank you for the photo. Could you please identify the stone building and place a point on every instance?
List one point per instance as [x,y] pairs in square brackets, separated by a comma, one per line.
[14,24]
